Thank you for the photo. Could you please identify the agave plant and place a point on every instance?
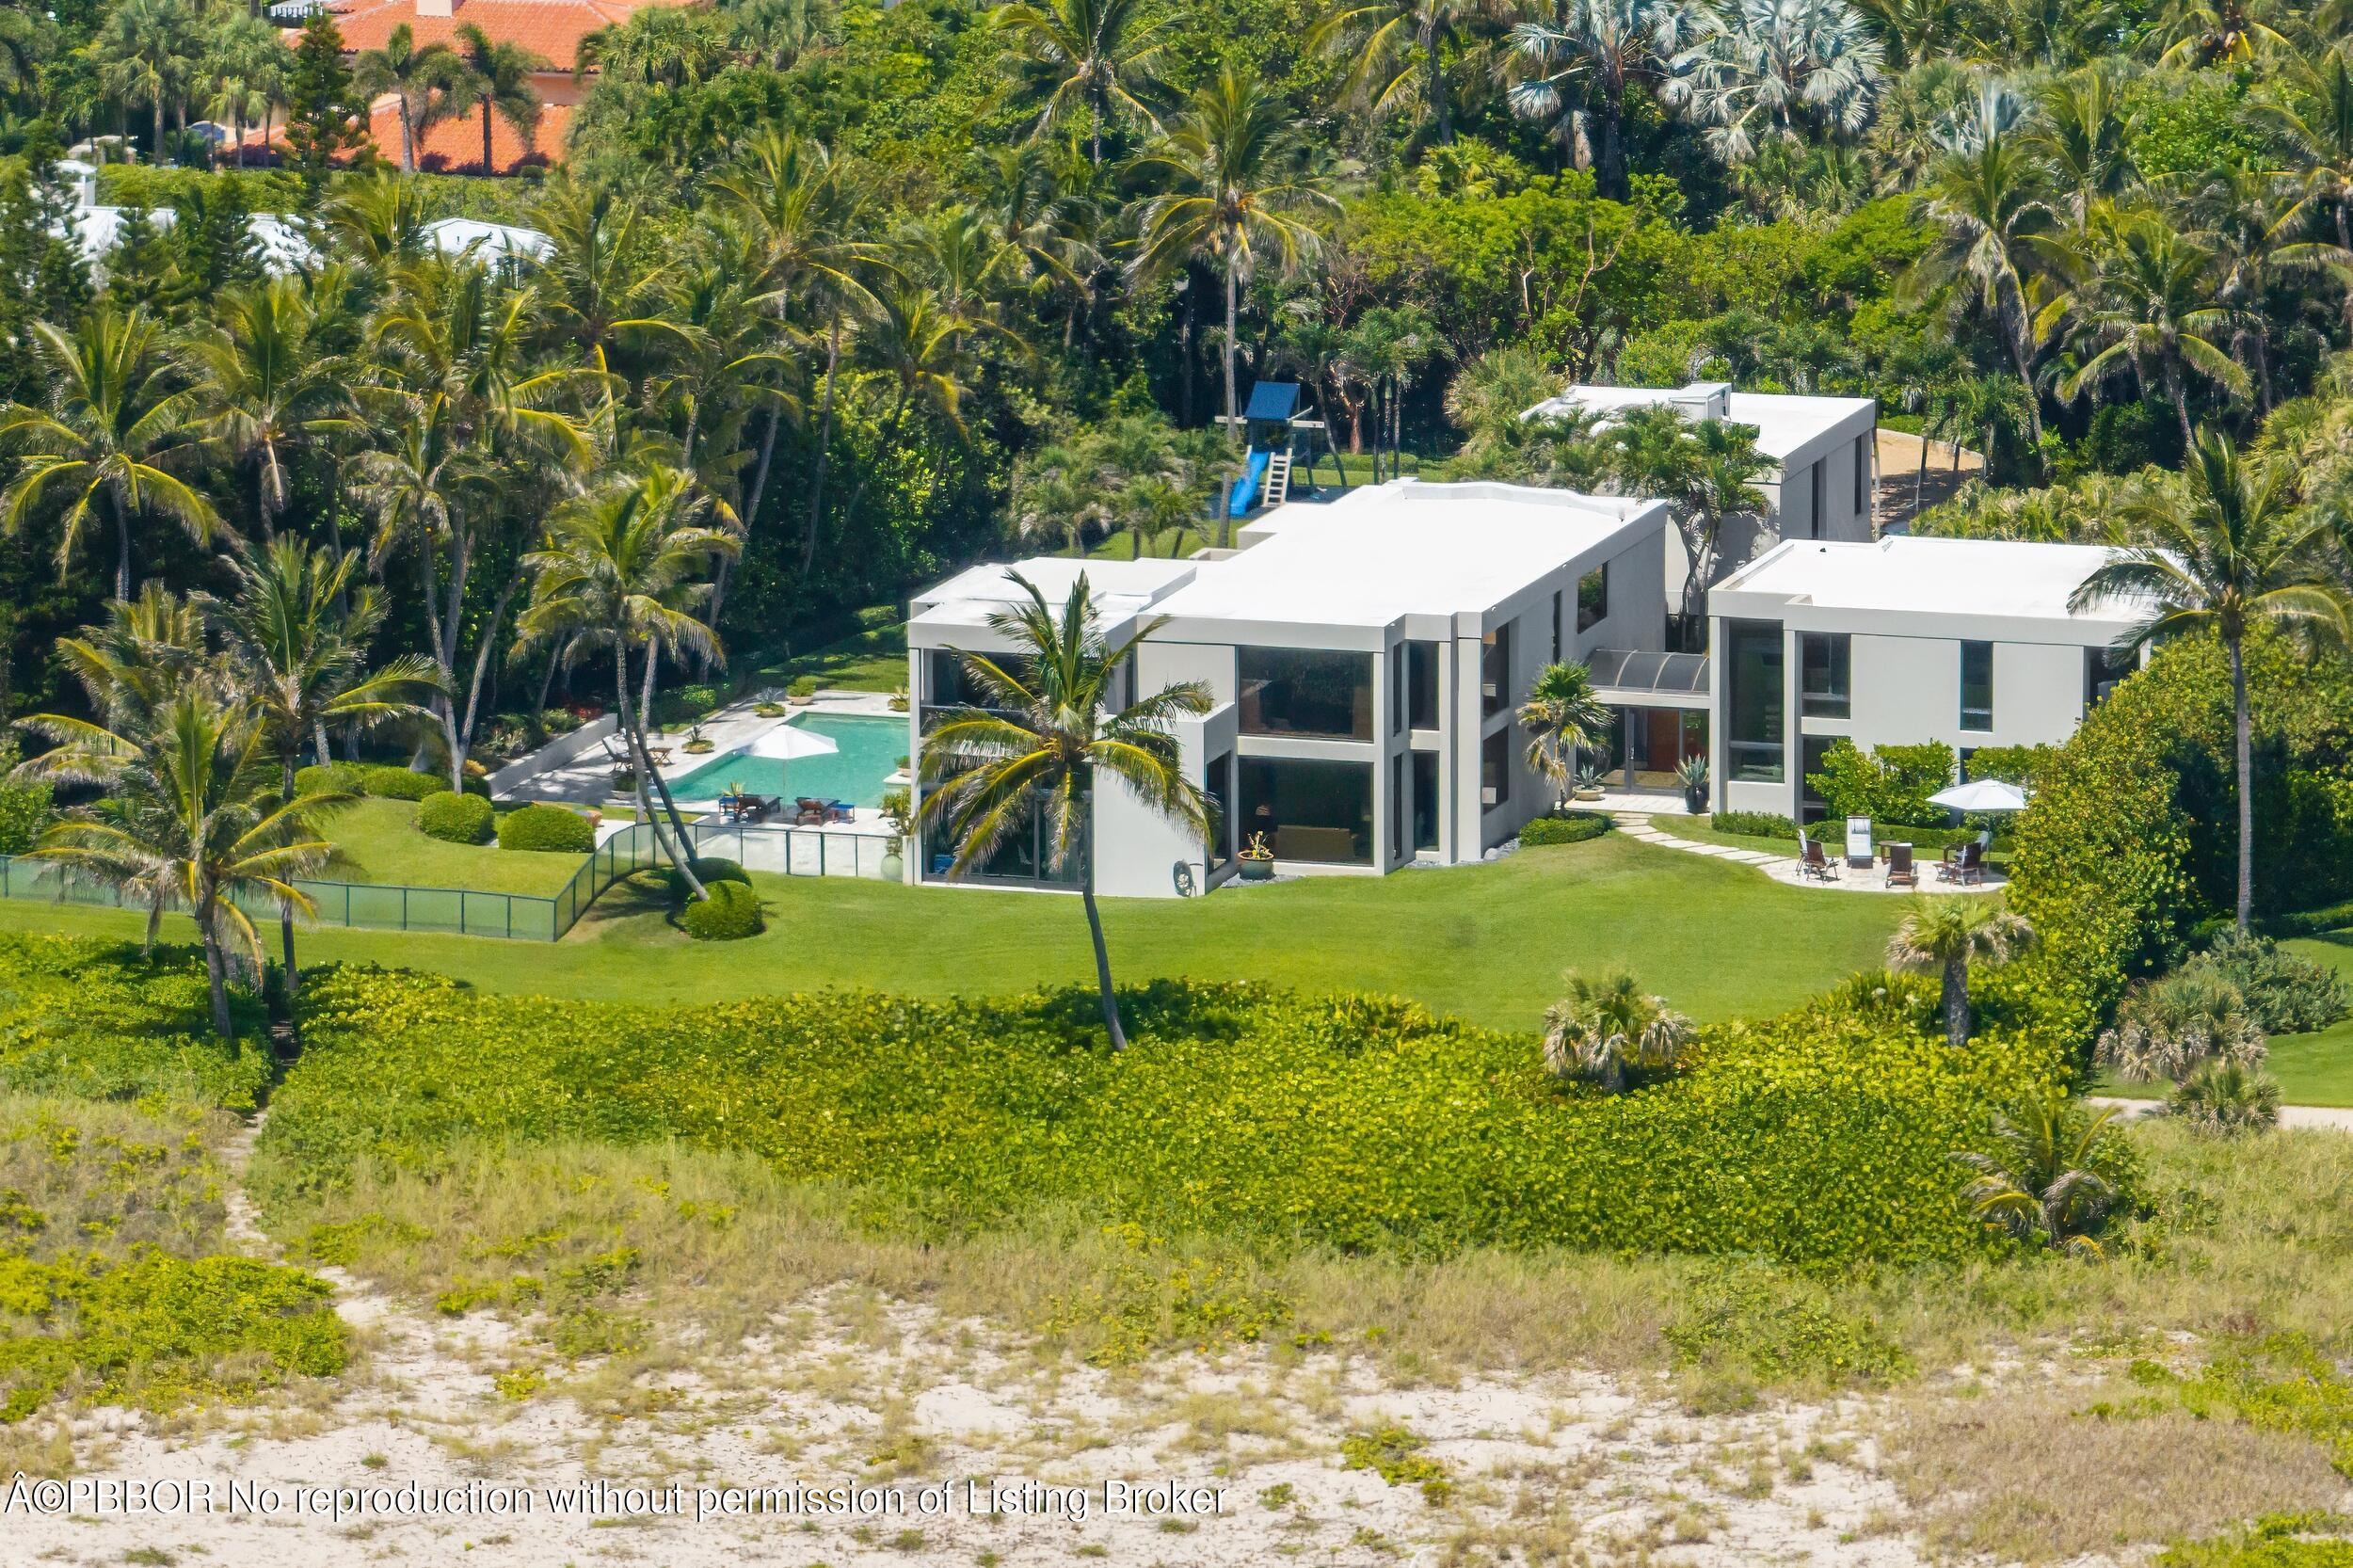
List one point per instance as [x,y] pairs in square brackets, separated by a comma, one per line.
[2050,1175]
[1602,1029]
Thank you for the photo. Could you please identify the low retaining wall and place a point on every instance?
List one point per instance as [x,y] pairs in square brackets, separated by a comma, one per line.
[561,752]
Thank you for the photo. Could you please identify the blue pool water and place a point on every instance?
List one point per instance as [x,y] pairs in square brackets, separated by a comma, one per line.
[870,753]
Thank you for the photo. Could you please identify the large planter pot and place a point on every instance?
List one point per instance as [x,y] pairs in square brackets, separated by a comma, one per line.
[1258,870]
[894,867]
[1586,794]
[1695,799]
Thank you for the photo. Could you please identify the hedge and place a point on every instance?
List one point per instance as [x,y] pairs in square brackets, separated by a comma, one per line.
[707,871]
[1887,784]
[1574,828]
[730,914]
[682,705]
[1357,1122]
[542,827]
[380,780]
[453,818]
[1755,825]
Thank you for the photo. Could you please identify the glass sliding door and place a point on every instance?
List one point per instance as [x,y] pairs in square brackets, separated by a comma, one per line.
[1753,720]
[1309,811]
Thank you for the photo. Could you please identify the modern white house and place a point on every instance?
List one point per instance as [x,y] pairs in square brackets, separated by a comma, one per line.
[1905,640]
[1366,656]
[1823,449]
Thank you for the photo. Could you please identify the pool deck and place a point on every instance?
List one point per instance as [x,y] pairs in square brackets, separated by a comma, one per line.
[588,780]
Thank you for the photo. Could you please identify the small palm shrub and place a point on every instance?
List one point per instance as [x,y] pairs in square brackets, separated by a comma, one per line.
[2285,992]
[709,872]
[2224,1096]
[2051,1173]
[542,827]
[453,818]
[729,914]
[2167,1027]
[1609,1033]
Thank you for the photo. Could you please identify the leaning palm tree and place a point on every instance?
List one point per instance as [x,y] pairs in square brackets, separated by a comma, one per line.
[622,573]
[2225,551]
[1028,758]
[1605,1027]
[1102,53]
[298,630]
[1986,204]
[1948,935]
[111,416]
[190,819]
[1562,716]
[2049,1174]
[1234,182]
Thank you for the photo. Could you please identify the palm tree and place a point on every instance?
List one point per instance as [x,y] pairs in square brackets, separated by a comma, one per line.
[190,818]
[621,572]
[380,219]
[2050,1175]
[146,51]
[247,61]
[1234,177]
[432,84]
[1770,70]
[1600,48]
[261,388]
[1987,207]
[1604,1027]
[111,416]
[2146,294]
[2315,127]
[1028,758]
[2214,32]
[1103,53]
[923,351]
[500,75]
[2225,551]
[1489,398]
[1948,935]
[1563,717]
[297,631]
[2081,127]
[1398,48]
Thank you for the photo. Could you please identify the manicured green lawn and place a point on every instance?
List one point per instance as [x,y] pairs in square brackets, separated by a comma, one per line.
[376,840]
[1699,831]
[874,660]
[1485,942]
[2312,1070]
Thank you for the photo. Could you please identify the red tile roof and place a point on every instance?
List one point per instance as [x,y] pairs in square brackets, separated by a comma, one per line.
[550,28]
[454,146]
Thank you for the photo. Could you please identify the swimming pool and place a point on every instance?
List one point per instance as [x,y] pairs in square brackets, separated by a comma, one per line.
[869,749]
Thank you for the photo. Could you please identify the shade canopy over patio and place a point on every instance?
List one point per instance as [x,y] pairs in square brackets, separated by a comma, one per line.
[1981,795]
[788,743]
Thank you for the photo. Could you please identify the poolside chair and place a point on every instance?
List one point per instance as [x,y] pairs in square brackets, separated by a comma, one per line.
[1812,861]
[1969,868]
[808,812]
[840,810]
[1860,854]
[1899,868]
[755,808]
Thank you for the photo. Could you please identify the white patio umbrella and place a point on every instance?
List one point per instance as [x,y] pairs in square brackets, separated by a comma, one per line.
[1981,795]
[787,743]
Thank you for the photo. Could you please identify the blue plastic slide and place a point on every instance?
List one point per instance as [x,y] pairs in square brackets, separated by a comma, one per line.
[1246,488]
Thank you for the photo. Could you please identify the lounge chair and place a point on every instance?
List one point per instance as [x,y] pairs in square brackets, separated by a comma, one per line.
[840,810]
[1969,868]
[1812,861]
[1860,854]
[1899,868]
[755,808]
[808,812]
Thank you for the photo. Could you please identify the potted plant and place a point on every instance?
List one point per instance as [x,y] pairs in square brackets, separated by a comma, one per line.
[899,700]
[1257,859]
[802,691]
[1691,772]
[768,710]
[895,805]
[697,742]
[1590,779]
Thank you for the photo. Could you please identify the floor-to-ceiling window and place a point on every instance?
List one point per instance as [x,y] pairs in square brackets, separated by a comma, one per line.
[1425,800]
[1495,670]
[1976,685]
[1218,784]
[1495,769]
[1306,691]
[1421,685]
[1753,720]
[1309,811]
[1825,676]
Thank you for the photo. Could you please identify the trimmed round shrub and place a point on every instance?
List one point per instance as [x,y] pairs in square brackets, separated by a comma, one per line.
[453,818]
[333,779]
[709,872]
[392,783]
[729,914]
[1574,828]
[556,828]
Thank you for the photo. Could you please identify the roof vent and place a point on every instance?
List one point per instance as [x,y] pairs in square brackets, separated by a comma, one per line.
[1704,400]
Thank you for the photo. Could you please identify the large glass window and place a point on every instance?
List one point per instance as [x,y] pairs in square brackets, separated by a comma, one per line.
[944,685]
[1425,800]
[1495,769]
[1811,752]
[1397,806]
[1823,692]
[1752,711]
[2103,668]
[1023,857]
[1300,691]
[1976,685]
[1495,671]
[1593,598]
[1421,685]
[1218,784]
[1319,811]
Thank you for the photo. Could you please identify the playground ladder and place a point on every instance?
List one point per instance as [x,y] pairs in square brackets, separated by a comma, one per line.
[1278,478]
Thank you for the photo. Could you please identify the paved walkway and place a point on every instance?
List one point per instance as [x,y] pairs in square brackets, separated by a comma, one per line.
[1784,867]
[2335,1118]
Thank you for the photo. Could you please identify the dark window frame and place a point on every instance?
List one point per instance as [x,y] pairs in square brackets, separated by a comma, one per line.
[1977,720]
[1837,699]
[1252,716]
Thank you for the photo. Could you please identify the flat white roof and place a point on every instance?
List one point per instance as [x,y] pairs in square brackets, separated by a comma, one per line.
[1405,548]
[1123,590]
[1996,579]
[1786,423]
